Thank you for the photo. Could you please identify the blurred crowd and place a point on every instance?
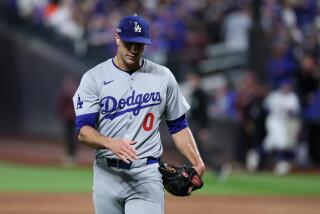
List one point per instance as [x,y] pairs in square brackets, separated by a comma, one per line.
[180,29]
[276,114]
[185,26]
[280,114]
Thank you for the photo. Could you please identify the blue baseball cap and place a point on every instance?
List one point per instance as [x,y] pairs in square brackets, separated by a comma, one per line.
[134,29]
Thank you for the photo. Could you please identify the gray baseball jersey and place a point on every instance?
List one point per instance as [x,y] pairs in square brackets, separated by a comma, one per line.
[130,105]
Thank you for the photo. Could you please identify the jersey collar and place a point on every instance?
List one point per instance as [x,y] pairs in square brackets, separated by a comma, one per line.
[128,72]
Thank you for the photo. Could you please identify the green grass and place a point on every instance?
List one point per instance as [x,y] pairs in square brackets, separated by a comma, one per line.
[263,184]
[17,178]
[44,179]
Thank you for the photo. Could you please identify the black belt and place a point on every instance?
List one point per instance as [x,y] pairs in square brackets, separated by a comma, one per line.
[123,165]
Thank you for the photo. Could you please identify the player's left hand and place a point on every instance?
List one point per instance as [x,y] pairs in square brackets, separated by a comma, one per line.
[200,169]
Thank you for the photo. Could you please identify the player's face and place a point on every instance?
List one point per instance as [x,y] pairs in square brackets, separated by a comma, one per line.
[129,54]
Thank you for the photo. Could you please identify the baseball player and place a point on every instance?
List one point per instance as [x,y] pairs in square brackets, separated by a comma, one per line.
[119,105]
[282,126]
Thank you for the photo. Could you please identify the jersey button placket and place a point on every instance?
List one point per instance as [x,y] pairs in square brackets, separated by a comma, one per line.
[131,82]
[131,88]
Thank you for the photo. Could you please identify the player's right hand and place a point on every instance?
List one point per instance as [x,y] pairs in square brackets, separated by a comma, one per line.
[123,149]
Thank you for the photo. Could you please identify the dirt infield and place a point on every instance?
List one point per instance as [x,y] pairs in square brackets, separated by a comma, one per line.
[36,203]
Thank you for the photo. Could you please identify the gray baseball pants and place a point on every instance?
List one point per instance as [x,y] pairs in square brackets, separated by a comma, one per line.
[138,190]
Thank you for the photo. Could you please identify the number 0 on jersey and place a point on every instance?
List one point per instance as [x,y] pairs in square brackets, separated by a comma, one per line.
[148,122]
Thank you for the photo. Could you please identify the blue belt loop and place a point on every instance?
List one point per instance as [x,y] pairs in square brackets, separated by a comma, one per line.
[151,160]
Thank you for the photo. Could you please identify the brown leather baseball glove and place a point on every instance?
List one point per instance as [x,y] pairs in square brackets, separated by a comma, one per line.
[177,180]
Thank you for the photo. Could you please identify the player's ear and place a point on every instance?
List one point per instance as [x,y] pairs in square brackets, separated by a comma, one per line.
[117,39]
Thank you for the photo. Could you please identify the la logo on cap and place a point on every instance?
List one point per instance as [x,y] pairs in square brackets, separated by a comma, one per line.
[134,29]
[137,27]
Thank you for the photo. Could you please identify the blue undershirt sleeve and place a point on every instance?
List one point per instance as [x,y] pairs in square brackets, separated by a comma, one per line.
[86,120]
[177,125]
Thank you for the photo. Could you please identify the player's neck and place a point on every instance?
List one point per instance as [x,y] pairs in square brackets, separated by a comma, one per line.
[122,65]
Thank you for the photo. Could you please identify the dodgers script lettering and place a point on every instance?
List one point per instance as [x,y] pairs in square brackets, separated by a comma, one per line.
[112,108]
